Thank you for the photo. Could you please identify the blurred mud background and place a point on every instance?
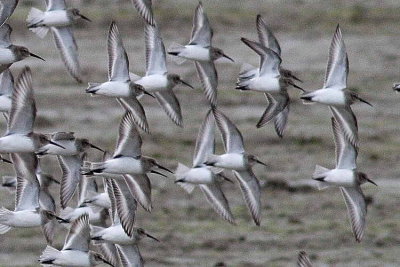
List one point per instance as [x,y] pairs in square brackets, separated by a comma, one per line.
[293,218]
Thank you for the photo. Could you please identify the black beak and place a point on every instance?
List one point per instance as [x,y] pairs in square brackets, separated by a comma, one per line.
[61,220]
[96,147]
[85,18]
[365,101]
[225,178]
[36,56]
[55,181]
[152,237]
[180,181]
[296,86]
[159,173]
[163,168]
[187,84]
[5,160]
[225,56]
[55,144]
[147,93]
[260,162]
[372,182]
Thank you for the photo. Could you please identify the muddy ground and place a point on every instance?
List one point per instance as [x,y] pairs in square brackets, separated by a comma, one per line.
[191,233]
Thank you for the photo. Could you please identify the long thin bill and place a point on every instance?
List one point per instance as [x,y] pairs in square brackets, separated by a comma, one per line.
[36,56]
[85,18]
[159,173]
[55,144]
[164,168]
[187,84]
[96,147]
[152,237]
[228,57]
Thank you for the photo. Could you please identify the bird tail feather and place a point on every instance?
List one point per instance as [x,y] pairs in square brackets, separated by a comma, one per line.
[180,172]
[174,50]
[49,255]
[35,16]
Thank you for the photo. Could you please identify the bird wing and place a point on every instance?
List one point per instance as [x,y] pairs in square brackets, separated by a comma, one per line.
[346,153]
[25,165]
[155,51]
[109,252]
[55,5]
[6,9]
[217,200]
[233,139]
[140,188]
[78,237]
[110,191]
[205,142]
[133,105]
[337,69]
[201,31]
[130,255]
[66,44]
[27,194]
[281,119]
[145,10]
[347,122]
[87,186]
[250,187]
[118,63]
[270,61]
[5,33]
[303,260]
[126,206]
[71,176]
[170,103]
[62,136]
[357,209]
[266,36]
[23,107]
[209,79]
[277,109]
[129,142]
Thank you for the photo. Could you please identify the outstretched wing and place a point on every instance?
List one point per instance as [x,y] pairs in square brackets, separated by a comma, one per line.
[338,63]
[205,142]
[357,209]
[118,63]
[66,44]
[55,5]
[233,139]
[23,107]
[6,9]
[201,31]
[78,237]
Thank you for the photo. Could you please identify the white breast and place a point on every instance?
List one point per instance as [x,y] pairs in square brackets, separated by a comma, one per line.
[25,218]
[114,89]
[16,143]
[340,177]
[195,52]
[123,165]
[232,161]
[199,176]
[72,258]
[265,84]
[329,97]
[56,18]
[116,234]
[152,83]
[5,103]
[6,56]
